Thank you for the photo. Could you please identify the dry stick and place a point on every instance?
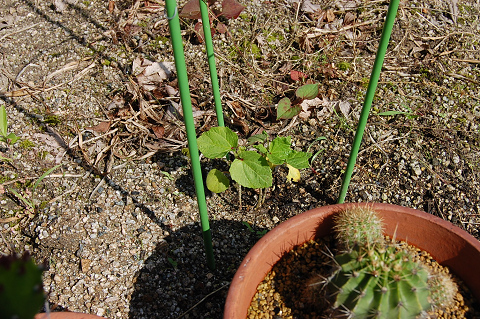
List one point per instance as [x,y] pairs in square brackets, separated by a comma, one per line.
[28,90]
[18,31]
[317,32]
[203,299]
[48,176]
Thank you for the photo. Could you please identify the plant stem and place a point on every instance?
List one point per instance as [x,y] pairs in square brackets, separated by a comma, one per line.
[239,196]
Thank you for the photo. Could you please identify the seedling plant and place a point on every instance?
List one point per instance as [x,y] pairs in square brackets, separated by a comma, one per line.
[251,165]
[28,201]
[5,136]
[287,109]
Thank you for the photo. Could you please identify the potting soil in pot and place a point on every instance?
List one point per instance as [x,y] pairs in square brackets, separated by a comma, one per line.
[286,291]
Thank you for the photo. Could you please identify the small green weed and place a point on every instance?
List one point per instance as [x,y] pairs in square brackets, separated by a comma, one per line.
[26,144]
[172,262]
[5,136]
[52,120]
[8,138]
[259,233]
[344,66]
[286,109]
[28,198]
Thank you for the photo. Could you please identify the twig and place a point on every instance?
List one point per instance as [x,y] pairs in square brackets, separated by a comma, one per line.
[316,32]
[203,299]
[48,176]
[289,126]
[96,188]
[18,31]
[466,60]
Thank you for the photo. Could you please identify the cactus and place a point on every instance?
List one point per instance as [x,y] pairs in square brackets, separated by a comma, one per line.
[380,283]
[21,291]
[376,278]
[358,226]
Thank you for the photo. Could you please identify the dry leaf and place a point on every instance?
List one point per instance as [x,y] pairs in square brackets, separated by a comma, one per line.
[171,90]
[117,102]
[349,18]
[237,108]
[231,9]
[308,105]
[297,75]
[149,74]
[111,6]
[221,28]
[191,10]
[326,110]
[345,108]
[159,131]
[7,220]
[293,174]
[309,7]
[50,141]
[101,127]
[329,15]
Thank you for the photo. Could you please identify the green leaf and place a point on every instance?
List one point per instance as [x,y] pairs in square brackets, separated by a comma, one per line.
[172,262]
[258,138]
[217,142]
[298,159]
[279,150]
[43,176]
[251,170]
[3,121]
[13,138]
[307,91]
[248,226]
[285,110]
[217,182]
[262,149]
[23,199]
[391,113]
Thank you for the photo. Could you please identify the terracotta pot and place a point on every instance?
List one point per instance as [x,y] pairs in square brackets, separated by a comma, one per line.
[448,244]
[66,315]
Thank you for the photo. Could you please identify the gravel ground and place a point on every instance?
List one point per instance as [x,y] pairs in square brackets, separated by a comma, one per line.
[117,225]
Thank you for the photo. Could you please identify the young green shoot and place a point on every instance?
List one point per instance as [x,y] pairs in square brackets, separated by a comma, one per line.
[29,202]
[286,109]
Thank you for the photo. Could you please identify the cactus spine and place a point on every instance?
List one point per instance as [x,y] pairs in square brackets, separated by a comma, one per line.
[21,291]
[374,278]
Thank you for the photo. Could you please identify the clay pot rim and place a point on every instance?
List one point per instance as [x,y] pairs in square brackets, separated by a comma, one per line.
[454,237]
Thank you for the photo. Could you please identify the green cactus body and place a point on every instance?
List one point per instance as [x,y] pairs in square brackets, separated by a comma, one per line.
[380,283]
[21,293]
[358,226]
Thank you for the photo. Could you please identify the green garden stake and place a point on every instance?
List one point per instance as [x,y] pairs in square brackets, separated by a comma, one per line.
[372,85]
[207,35]
[177,44]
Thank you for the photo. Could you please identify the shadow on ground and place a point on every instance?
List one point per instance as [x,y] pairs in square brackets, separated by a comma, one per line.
[175,280]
